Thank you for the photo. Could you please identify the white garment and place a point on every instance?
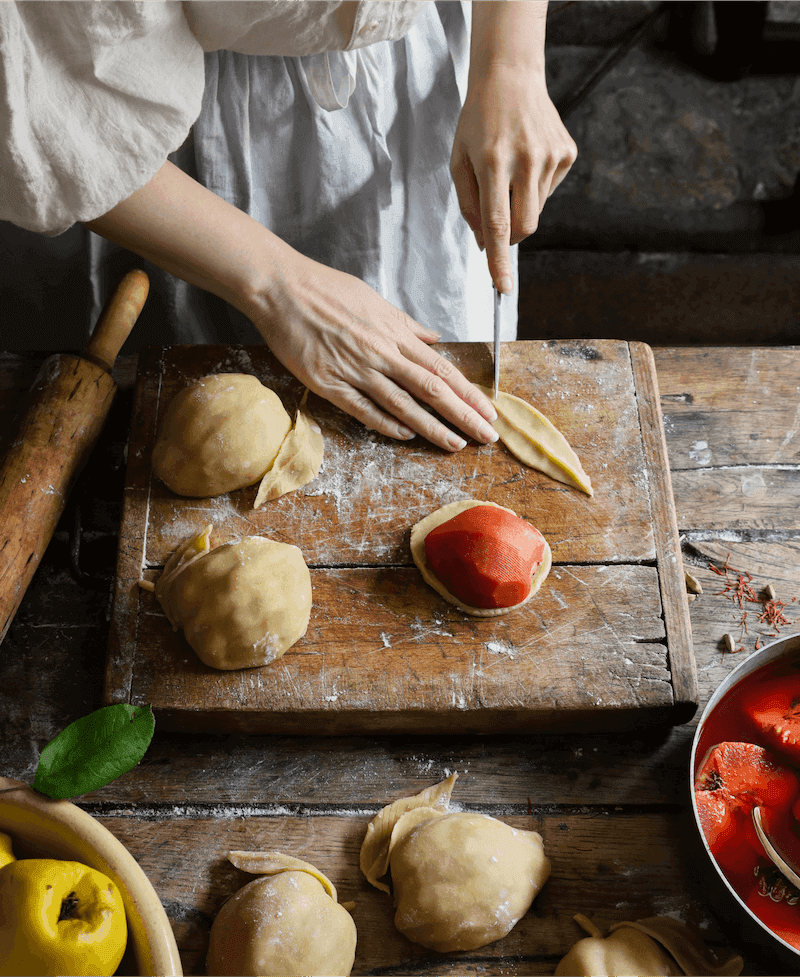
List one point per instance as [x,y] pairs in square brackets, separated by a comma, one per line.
[343,154]
[94,96]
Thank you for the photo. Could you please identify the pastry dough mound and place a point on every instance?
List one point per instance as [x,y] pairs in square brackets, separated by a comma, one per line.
[464,880]
[443,515]
[287,922]
[460,880]
[240,605]
[219,434]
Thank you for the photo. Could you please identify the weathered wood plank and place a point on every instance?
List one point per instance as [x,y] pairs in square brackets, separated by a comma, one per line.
[730,406]
[594,860]
[372,490]
[359,512]
[592,641]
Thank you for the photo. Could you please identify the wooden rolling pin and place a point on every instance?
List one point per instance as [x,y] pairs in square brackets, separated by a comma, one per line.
[67,407]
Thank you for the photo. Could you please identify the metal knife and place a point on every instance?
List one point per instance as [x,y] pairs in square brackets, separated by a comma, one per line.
[498,298]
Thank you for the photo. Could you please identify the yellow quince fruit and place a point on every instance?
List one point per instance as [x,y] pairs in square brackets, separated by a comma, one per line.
[57,918]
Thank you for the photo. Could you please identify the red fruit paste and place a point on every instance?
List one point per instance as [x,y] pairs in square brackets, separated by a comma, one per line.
[485,556]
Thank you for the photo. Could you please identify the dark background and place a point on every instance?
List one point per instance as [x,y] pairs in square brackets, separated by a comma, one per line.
[677,223]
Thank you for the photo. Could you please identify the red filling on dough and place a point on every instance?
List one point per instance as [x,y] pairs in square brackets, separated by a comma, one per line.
[485,556]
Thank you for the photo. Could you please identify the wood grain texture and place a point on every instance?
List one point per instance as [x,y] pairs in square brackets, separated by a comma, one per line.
[589,857]
[627,847]
[383,652]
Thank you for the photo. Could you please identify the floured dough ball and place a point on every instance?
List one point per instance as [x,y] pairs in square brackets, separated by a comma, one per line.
[287,922]
[219,434]
[241,604]
[481,557]
[459,880]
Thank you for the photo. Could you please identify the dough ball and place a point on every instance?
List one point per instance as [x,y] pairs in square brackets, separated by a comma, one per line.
[464,880]
[483,563]
[459,880]
[282,924]
[219,434]
[241,604]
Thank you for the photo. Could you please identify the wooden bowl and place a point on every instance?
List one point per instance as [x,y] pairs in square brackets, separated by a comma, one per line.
[43,828]
[746,927]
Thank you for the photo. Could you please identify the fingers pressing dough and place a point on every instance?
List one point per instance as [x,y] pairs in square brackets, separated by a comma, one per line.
[438,518]
[241,604]
[460,880]
[287,922]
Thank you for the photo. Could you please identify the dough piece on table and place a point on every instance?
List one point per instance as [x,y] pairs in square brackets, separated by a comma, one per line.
[241,604]
[298,461]
[220,433]
[438,518]
[536,441]
[287,922]
[459,880]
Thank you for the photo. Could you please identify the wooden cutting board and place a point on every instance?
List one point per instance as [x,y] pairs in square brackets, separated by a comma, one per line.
[605,645]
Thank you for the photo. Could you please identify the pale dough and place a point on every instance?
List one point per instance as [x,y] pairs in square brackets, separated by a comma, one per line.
[536,441]
[287,922]
[241,604]
[219,434]
[298,462]
[459,880]
[421,530]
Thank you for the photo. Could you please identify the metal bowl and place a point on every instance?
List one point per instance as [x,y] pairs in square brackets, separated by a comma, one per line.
[43,828]
[784,649]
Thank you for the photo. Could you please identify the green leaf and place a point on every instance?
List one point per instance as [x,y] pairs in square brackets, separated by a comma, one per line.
[94,750]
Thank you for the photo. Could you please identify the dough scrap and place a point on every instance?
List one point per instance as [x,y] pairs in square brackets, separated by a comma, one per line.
[241,604]
[298,461]
[424,526]
[220,433]
[536,441]
[459,880]
[286,922]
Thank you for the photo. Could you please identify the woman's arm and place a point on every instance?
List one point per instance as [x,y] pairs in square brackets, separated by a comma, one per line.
[511,149]
[335,334]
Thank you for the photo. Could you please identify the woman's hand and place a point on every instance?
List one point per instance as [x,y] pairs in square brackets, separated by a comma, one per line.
[334,333]
[511,149]
[346,343]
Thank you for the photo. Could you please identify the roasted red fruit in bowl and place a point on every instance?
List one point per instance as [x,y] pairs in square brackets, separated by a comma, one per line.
[745,756]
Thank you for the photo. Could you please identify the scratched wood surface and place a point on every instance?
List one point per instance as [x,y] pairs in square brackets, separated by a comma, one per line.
[605,643]
[613,808]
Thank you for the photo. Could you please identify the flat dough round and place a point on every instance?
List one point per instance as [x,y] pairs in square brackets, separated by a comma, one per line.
[220,433]
[447,512]
[282,924]
[463,880]
[240,605]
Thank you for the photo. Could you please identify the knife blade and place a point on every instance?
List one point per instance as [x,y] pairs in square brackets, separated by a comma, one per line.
[498,298]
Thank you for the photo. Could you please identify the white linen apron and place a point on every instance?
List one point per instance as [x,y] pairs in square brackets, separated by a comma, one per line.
[344,155]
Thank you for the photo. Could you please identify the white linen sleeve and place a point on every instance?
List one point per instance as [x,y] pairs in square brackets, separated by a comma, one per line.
[93,98]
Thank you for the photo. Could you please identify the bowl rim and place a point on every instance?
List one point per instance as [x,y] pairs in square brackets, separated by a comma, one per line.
[141,900]
[765,655]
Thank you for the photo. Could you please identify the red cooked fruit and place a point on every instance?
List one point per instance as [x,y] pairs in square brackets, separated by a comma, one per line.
[485,556]
[735,778]
[774,710]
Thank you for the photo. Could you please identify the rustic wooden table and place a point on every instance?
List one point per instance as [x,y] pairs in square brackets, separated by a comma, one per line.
[613,809]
